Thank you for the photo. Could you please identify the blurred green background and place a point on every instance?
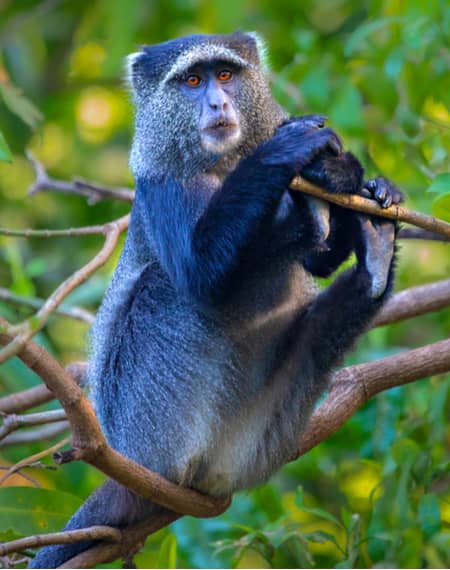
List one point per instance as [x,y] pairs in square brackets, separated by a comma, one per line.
[377,494]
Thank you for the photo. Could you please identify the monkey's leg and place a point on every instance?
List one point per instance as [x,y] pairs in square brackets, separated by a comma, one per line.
[344,228]
[334,320]
[110,505]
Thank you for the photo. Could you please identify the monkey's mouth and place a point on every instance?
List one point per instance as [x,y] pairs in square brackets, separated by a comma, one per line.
[221,129]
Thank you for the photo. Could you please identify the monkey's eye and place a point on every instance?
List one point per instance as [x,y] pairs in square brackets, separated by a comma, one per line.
[225,75]
[193,80]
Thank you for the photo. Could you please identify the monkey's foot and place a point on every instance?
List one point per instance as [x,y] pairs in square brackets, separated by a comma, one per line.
[383,191]
[379,238]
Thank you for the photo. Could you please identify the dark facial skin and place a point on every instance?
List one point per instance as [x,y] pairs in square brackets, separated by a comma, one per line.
[212,89]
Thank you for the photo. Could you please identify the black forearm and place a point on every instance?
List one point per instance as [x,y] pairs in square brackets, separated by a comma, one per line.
[199,243]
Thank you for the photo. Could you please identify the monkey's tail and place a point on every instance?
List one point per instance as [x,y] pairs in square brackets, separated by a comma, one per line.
[111,505]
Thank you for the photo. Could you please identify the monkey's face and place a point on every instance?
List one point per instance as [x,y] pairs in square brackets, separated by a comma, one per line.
[201,102]
[212,91]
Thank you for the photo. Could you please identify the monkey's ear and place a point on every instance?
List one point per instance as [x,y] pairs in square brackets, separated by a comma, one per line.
[133,71]
[250,46]
[147,67]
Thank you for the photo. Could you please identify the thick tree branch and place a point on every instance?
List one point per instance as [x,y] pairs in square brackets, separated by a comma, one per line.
[132,540]
[352,386]
[413,302]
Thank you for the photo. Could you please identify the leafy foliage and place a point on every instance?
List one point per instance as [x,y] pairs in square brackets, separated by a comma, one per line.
[376,494]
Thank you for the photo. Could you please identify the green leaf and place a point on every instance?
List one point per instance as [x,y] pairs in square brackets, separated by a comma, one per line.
[358,39]
[121,19]
[346,111]
[18,104]
[26,510]
[429,514]
[5,153]
[167,557]
[440,184]
[318,512]
[315,87]
[321,537]
[441,207]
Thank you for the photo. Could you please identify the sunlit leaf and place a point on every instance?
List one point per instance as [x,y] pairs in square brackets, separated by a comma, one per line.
[167,557]
[20,105]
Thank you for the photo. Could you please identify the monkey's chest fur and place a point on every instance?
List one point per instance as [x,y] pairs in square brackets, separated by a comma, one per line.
[206,399]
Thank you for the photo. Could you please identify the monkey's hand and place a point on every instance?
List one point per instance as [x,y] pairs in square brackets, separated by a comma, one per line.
[383,191]
[297,142]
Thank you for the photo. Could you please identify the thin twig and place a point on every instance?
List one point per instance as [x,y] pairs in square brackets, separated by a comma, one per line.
[30,398]
[91,190]
[26,462]
[23,332]
[13,422]
[372,207]
[25,476]
[40,435]
[77,313]
[66,537]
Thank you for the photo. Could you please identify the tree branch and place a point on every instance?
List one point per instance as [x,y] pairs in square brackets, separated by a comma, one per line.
[435,229]
[92,191]
[34,435]
[89,443]
[32,397]
[413,302]
[66,537]
[33,458]
[26,330]
[371,207]
[77,313]
[352,386]
[132,540]
[13,422]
